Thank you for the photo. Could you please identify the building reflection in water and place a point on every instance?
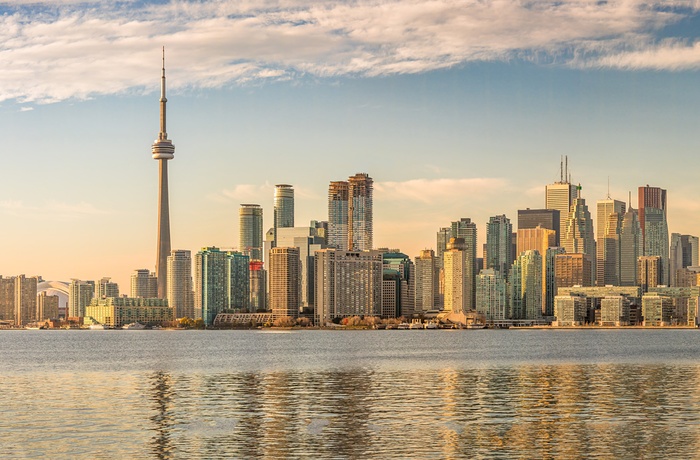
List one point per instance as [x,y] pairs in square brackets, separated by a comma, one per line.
[543,411]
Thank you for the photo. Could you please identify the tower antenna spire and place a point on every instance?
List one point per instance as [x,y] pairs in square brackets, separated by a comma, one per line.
[561,169]
[609,188]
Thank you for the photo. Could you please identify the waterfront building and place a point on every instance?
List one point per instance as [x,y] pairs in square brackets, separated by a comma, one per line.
[455,270]
[492,295]
[338,196]
[615,311]
[539,239]
[360,212]
[285,281]
[572,270]
[221,283]
[531,284]
[649,272]
[656,309]
[499,233]
[654,226]
[427,282]
[258,287]
[180,292]
[348,283]
[284,208]
[630,247]
[306,240]
[162,151]
[560,196]
[106,288]
[250,231]
[120,311]
[684,300]
[579,236]
[544,218]
[7,299]
[46,306]
[609,214]
[25,299]
[570,310]
[80,294]
[145,284]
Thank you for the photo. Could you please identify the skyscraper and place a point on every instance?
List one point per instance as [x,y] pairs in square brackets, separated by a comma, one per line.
[285,282]
[579,235]
[250,234]
[491,295]
[466,229]
[427,296]
[284,207]
[80,294]
[25,299]
[630,247]
[560,196]
[455,268]
[210,283]
[654,225]
[258,286]
[7,298]
[338,215]
[106,288]
[180,292]
[498,244]
[307,243]
[609,215]
[545,218]
[648,272]
[163,150]
[539,239]
[360,212]
[443,237]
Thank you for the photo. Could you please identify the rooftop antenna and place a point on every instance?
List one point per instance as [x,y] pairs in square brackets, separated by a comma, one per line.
[629,206]
[561,169]
[566,168]
[609,188]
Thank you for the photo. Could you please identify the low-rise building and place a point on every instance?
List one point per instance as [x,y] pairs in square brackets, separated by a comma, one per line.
[120,311]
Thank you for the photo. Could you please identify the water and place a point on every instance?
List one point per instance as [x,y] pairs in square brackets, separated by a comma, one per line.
[350,394]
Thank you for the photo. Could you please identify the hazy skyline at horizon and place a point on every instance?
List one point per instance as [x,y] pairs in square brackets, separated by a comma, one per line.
[455,109]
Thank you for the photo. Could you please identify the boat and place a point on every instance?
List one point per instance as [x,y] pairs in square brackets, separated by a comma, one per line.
[403,326]
[134,326]
[474,326]
[97,327]
[33,328]
[431,325]
[416,325]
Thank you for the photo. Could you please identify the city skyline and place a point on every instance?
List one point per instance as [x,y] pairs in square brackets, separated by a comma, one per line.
[442,141]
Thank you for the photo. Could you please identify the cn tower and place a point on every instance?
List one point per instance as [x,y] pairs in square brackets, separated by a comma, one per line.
[163,150]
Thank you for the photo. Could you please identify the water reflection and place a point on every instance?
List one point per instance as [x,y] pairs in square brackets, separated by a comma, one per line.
[561,411]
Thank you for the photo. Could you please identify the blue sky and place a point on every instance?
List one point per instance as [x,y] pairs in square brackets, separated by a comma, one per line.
[455,108]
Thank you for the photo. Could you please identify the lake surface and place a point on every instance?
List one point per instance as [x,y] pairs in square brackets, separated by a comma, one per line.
[350,394]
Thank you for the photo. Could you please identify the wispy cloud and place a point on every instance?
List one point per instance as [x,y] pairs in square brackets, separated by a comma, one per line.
[437,191]
[51,210]
[53,51]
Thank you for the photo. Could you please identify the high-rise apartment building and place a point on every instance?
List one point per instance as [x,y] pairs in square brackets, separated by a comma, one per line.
[25,299]
[80,294]
[427,296]
[284,207]
[443,237]
[550,279]
[401,264]
[654,225]
[210,284]
[466,229]
[455,270]
[7,299]
[106,288]
[180,292]
[499,245]
[360,212]
[162,151]
[238,280]
[630,247]
[579,235]
[144,284]
[609,215]
[545,218]
[683,254]
[526,290]
[250,235]
[348,283]
[492,295]
[285,282]
[46,306]
[338,196]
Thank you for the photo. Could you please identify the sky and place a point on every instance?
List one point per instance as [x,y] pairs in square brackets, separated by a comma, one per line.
[456,108]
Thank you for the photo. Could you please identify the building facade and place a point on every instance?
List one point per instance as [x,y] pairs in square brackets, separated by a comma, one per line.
[285,282]
[250,231]
[180,289]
